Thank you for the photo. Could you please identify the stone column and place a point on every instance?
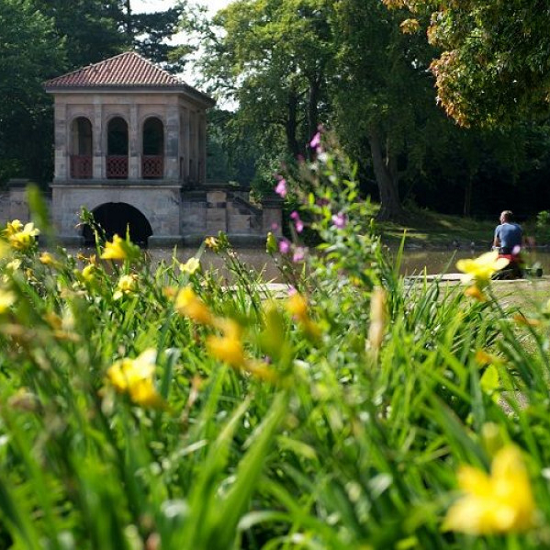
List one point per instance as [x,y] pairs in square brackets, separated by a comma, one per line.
[98,168]
[171,148]
[272,215]
[19,207]
[61,146]
[186,135]
[202,147]
[193,146]
[134,148]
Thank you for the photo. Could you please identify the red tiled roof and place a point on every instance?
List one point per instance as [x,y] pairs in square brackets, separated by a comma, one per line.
[127,69]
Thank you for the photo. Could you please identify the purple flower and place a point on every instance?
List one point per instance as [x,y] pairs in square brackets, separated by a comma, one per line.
[280,188]
[315,141]
[299,254]
[291,290]
[339,220]
[298,223]
[516,250]
[274,226]
[284,246]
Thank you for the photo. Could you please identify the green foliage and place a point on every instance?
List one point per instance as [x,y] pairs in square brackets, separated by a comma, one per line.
[342,423]
[492,65]
[29,53]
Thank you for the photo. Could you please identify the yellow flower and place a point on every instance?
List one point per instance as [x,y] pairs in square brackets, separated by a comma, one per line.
[212,243]
[473,291]
[7,299]
[190,266]
[229,347]
[88,273]
[522,320]
[481,269]
[13,227]
[135,377]
[14,265]
[297,307]
[188,304]
[120,249]
[127,284]
[484,358]
[47,259]
[497,503]
[21,237]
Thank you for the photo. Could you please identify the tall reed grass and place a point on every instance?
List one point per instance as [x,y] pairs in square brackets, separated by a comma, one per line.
[152,407]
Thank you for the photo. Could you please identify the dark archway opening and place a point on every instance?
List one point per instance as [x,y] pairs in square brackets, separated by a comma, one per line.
[116,218]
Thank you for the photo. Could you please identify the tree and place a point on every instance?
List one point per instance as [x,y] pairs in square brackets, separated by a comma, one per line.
[271,56]
[150,32]
[92,30]
[30,53]
[383,96]
[493,65]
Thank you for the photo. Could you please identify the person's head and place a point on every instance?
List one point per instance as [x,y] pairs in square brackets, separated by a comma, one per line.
[506,217]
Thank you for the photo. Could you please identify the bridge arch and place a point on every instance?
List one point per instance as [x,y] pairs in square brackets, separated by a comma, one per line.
[117,218]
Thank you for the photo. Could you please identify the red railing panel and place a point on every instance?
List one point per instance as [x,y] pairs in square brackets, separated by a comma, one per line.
[152,166]
[81,167]
[117,167]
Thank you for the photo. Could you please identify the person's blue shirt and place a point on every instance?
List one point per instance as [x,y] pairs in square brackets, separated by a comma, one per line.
[509,236]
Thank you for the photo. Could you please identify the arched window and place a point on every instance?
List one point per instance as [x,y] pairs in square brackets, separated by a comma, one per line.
[81,148]
[117,149]
[152,160]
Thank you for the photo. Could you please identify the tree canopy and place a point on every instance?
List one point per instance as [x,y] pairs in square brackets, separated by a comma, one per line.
[493,62]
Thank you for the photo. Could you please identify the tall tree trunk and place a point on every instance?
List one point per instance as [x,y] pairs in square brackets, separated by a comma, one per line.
[468,195]
[291,125]
[387,178]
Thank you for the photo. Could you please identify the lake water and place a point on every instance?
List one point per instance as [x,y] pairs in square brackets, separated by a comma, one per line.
[414,261]
[444,261]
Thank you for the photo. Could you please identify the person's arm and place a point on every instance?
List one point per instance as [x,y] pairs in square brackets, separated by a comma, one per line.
[496,240]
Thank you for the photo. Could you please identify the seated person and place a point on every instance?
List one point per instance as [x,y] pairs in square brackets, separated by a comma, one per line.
[508,241]
[508,235]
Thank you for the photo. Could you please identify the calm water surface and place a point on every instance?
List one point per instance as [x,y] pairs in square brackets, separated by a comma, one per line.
[414,262]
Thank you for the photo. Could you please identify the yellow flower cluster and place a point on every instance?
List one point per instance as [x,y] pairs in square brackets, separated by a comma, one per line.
[120,249]
[127,284]
[501,502]
[20,237]
[188,304]
[297,306]
[478,272]
[227,347]
[135,377]
[191,266]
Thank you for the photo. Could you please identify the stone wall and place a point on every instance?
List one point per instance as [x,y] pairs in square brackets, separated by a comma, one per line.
[175,215]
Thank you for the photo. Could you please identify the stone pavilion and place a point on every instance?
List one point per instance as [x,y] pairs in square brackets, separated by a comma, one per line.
[130,146]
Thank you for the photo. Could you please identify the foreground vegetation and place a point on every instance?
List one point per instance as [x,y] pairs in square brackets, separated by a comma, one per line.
[154,407]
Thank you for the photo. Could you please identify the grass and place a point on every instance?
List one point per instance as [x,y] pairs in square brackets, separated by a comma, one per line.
[433,230]
[149,406]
